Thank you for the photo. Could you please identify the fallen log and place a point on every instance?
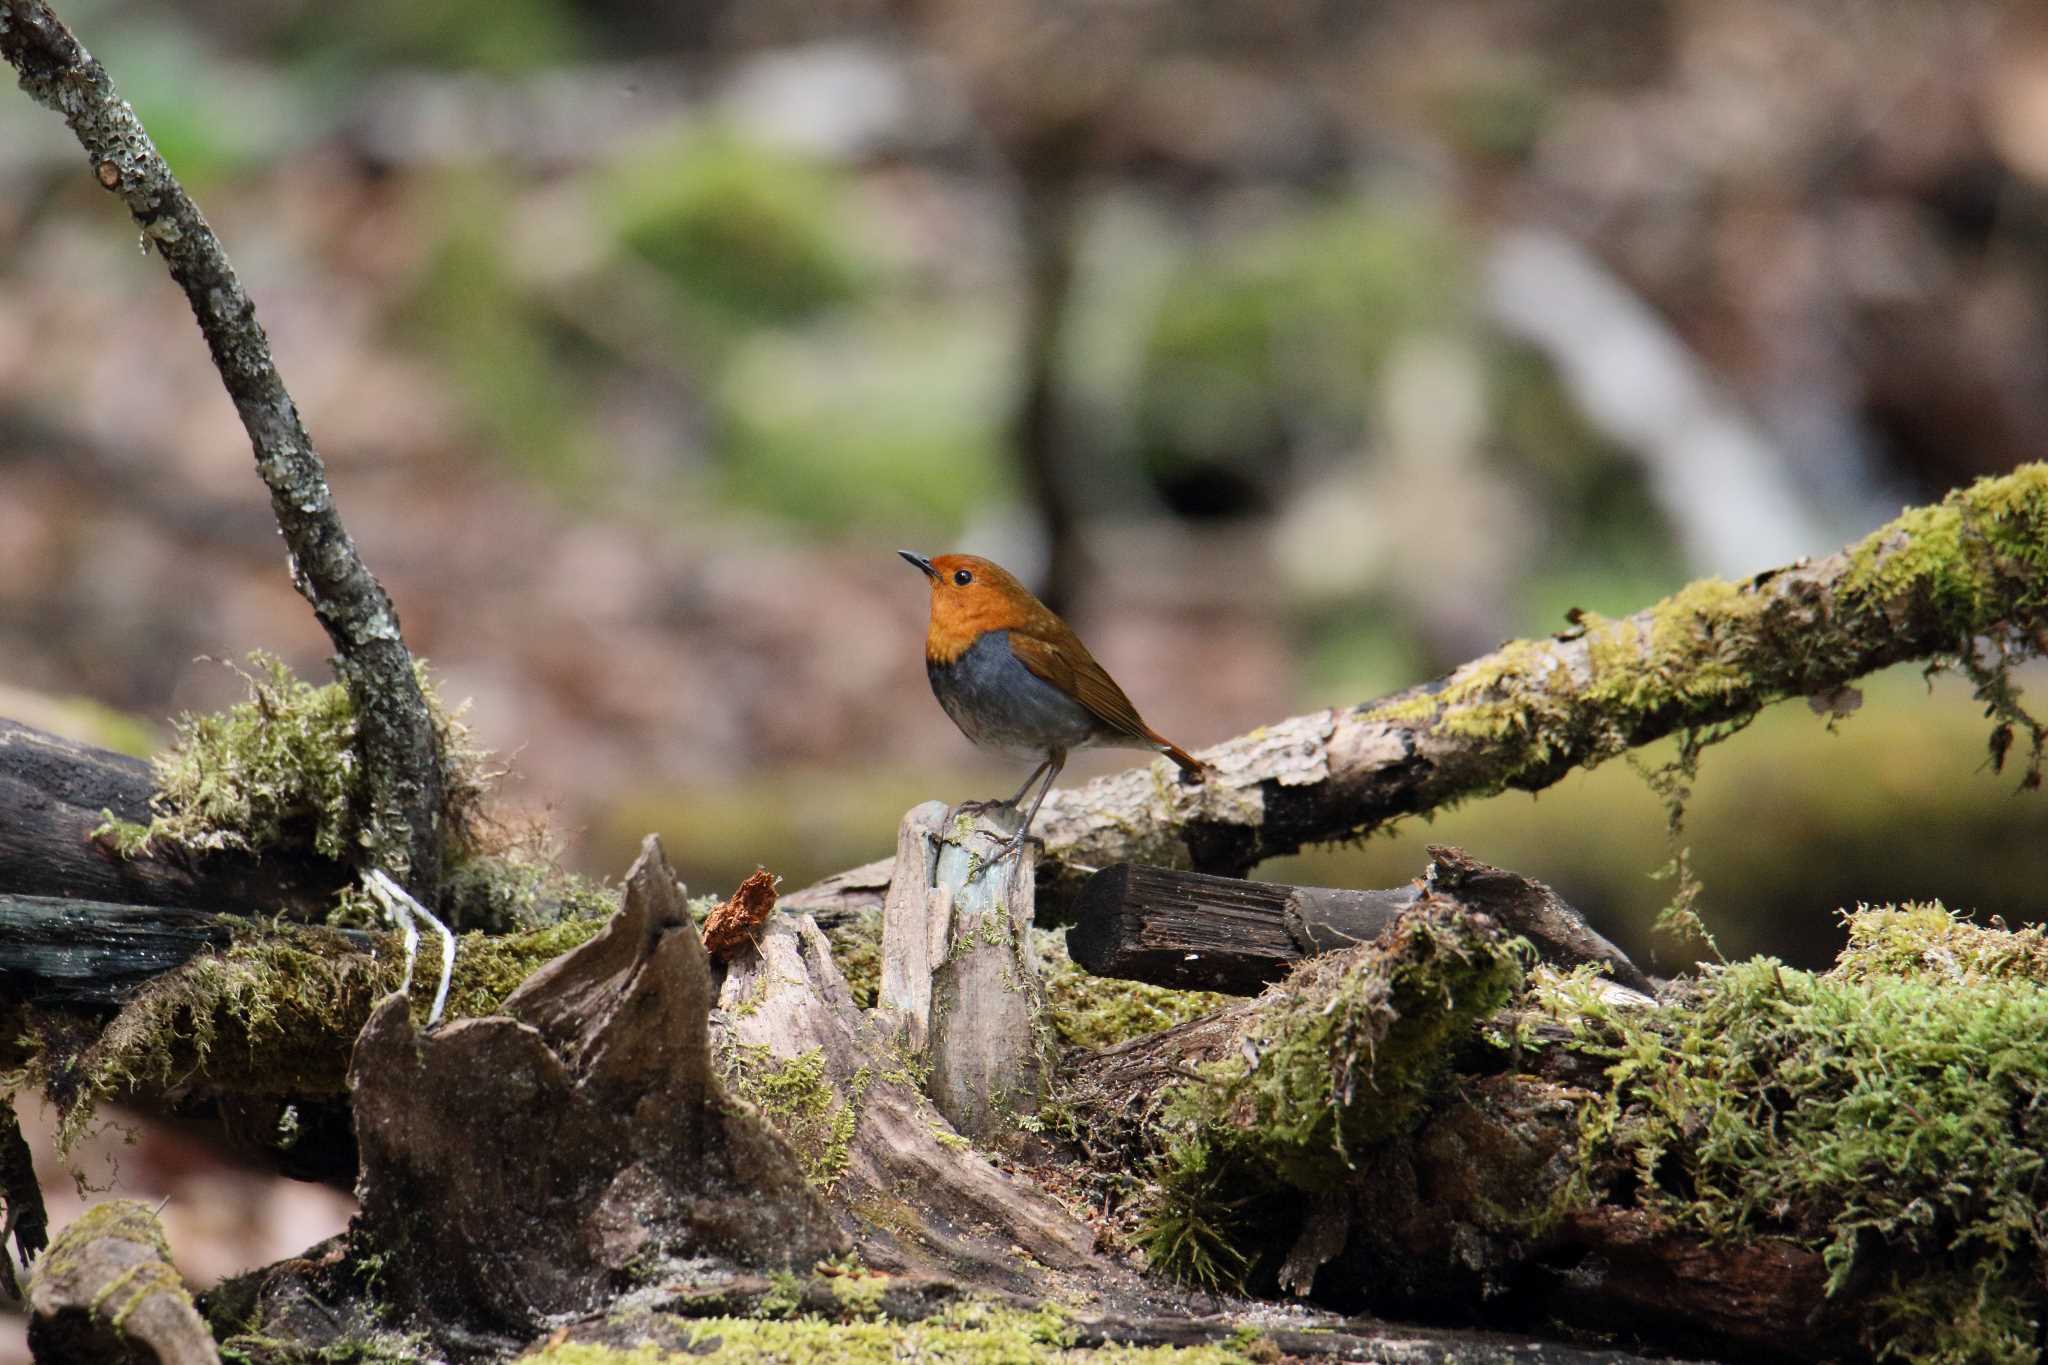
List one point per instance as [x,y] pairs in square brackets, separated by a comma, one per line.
[1197,932]
[54,792]
[55,950]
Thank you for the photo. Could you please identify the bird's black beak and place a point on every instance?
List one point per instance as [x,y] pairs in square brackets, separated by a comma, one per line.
[921,562]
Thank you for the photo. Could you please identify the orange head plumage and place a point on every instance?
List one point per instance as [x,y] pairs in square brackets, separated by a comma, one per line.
[972,596]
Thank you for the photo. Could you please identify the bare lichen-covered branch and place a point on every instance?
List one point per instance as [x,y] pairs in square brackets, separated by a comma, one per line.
[1966,579]
[396,735]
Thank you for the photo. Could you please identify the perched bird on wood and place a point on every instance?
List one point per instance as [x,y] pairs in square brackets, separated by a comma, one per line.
[1018,681]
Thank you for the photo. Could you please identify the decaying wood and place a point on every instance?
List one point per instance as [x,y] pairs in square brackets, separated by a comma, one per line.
[1198,932]
[540,1161]
[916,1197]
[26,1223]
[740,918]
[54,792]
[106,1291]
[56,951]
[913,935]
[957,960]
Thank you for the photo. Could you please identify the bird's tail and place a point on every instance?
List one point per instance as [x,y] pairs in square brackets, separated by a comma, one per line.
[1194,769]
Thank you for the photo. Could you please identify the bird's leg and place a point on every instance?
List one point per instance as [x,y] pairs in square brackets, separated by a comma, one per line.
[1012,802]
[1054,761]
[973,807]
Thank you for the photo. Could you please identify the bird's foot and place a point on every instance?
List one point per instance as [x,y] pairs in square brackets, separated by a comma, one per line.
[1008,848]
[974,810]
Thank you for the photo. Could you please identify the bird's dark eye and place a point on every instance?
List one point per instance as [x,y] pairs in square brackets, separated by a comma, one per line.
[962,578]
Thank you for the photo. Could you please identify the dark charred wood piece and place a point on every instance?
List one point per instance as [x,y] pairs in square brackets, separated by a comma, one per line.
[1197,932]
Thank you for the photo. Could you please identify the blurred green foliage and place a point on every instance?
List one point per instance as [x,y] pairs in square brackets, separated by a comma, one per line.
[889,421]
[1275,335]
[513,361]
[749,234]
[490,35]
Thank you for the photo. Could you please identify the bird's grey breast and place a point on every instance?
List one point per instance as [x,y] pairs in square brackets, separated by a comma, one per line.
[1000,704]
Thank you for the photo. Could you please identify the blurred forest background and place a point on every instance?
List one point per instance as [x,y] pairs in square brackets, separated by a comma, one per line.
[1301,350]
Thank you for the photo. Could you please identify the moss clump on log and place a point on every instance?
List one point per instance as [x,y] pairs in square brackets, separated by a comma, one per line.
[1890,1114]
[1337,1058]
[281,769]
[1099,1011]
[274,1014]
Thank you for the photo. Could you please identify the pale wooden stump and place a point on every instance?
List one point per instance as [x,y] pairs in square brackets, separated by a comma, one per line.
[957,962]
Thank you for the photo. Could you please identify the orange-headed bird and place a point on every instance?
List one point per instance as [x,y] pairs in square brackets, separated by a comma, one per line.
[1018,681]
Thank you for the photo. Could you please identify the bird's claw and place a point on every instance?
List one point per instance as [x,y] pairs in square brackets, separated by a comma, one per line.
[1014,845]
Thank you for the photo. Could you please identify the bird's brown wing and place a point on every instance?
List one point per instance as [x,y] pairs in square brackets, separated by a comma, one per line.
[1068,665]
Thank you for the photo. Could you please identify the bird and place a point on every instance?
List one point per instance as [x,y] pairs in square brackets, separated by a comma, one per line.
[1017,680]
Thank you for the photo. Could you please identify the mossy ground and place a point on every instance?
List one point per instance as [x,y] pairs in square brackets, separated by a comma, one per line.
[1891,1114]
[968,1333]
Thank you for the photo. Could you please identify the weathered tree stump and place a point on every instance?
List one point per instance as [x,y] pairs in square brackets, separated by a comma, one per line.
[957,961]
[916,1196]
[534,1163]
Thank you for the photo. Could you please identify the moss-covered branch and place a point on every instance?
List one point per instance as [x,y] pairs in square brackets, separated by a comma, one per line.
[1966,578]
[396,737]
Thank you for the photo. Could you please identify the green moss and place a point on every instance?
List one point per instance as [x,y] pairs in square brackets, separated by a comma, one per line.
[964,1333]
[1891,1114]
[1715,651]
[488,967]
[857,952]
[1929,940]
[1094,1011]
[125,1220]
[1341,1054]
[280,771]
[796,1095]
[278,1014]
[1336,1059]
[859,1296]
[504,892]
